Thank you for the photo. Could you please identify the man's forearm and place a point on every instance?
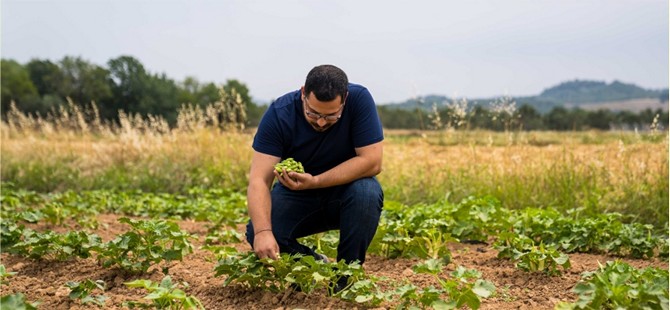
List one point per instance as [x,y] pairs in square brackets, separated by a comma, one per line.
[349,171]
[259,205]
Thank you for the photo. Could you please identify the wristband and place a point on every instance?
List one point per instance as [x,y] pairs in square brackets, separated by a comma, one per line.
[262,230]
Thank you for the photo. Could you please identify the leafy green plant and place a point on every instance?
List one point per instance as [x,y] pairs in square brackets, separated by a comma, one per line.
[19,204]
[412,297]
[464,288]
[147,243]
[4,274]
[475,218]
[431,241]
[70,205]
[40,245]
[218,206]
[365,291]
[83,291]
[10,233]
[302,272]
[220,251]
[17,301]
[164,295]
[325,243]
[541,258]
[247,270]
[223,236]
[529,256]
[599,233]
[618,285]
[419,231]
[663,249]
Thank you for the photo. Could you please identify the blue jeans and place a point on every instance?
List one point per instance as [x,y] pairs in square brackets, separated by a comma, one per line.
[352,208]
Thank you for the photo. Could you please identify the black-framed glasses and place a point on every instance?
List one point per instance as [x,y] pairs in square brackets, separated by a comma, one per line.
[328,117]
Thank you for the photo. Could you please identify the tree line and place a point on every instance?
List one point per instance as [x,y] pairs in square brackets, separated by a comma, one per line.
[525,117]
[41,86]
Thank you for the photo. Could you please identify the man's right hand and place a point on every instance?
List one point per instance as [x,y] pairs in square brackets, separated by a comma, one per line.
[265,245]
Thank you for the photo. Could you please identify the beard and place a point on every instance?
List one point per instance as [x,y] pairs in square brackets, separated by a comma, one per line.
[320,129]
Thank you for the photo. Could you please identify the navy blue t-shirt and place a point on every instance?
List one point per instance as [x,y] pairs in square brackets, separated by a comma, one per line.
[284,132]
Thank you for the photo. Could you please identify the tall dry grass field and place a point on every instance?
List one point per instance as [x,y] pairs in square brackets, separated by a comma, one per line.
[550,170]
[596,171]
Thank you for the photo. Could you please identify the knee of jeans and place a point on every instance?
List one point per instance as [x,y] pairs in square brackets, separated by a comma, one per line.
[366,192]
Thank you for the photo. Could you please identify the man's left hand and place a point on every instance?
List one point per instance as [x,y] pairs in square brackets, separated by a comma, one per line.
[296,181]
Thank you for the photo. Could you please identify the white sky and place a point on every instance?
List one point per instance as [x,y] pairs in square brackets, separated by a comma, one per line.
[398,49]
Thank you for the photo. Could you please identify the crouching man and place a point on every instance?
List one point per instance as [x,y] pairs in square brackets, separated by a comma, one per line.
[331,126]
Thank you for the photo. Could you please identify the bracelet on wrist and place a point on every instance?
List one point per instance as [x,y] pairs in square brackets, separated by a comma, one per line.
[262,230]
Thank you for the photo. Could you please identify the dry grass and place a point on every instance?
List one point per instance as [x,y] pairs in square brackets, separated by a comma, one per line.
[625,172]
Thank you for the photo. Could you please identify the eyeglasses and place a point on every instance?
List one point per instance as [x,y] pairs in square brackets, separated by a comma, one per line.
[316,116]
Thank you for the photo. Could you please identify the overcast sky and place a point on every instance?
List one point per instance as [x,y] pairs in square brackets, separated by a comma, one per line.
[398,49]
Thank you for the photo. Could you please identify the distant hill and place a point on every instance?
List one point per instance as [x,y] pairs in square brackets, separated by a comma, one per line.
[588,95]
[590,92]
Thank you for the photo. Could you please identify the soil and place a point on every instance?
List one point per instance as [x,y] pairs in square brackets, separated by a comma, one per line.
[43,280]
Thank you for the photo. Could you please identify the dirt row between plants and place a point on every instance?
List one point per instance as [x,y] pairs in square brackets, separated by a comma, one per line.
[44,281]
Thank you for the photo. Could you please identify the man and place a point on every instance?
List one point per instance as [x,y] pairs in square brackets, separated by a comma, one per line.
[332,128]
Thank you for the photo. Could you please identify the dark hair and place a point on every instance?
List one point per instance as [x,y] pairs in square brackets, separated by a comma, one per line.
[326,82]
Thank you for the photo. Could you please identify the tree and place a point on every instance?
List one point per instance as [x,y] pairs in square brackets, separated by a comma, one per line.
[207,94]
[129,83]
[239,88]
[601,119]
[578,119]
[17,86]
[83,82]
[626,120]
[191,91]
[44,75]
[558,119]
[529,118]
[481,118]
[159,98]
[188,90]
[397,118]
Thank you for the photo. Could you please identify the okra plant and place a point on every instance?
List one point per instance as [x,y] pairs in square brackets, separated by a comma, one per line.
[303,272]
[223,236]
[10,233]
[164,295]
[17,301]
[47,245]
[4,274]
[618,285]
[83,291]
[325,243]
[464,288]
[530,256]
[147,243]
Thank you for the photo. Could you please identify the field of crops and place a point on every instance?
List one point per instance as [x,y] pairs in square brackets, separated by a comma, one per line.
[139,216]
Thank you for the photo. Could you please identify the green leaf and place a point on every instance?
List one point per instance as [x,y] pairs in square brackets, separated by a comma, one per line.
[158,294]
[442,305]
[483,288]
[16,301]
[318,277]
[561,259]
[469,298]
[139,283]
[363,298]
